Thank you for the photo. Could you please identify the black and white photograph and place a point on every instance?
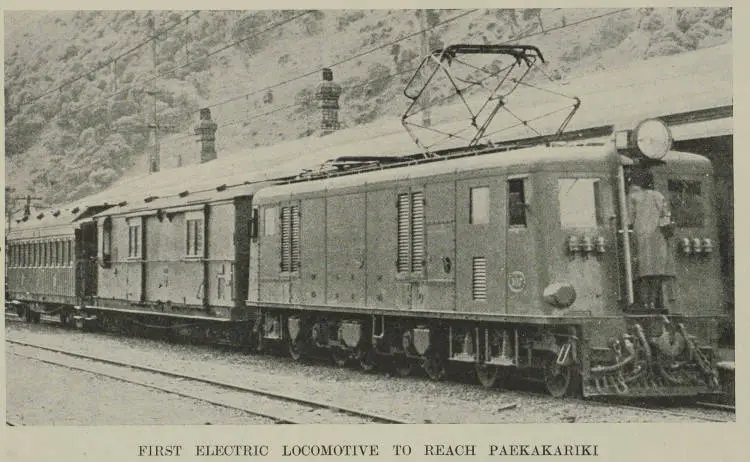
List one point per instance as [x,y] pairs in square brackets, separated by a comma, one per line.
[246,217]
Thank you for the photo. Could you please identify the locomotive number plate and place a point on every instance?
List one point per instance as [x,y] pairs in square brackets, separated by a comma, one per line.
[516,281]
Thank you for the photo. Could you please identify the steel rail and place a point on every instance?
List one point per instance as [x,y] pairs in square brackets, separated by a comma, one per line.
[375,418]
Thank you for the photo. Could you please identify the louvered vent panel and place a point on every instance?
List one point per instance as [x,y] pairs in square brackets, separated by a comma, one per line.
[286,244]
[479,279]
[417,231]
[402,263]
[295,257]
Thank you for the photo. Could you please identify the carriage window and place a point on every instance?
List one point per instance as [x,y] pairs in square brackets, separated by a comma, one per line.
[516,203]
[106,256]
[480,206]
[269,220]
[134,241]
[685,203]
[64,253]
[194,247]
[579,205]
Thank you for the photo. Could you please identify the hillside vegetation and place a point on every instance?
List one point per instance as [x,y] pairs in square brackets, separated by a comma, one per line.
[91,126]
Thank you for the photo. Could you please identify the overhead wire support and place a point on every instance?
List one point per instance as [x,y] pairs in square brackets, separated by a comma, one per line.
[406,71]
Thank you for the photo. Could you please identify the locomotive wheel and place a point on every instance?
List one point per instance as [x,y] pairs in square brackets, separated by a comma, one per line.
[366,358]
[402,367]
[434,365]
[557,379]
[295,351]
[66,318]
[340,357]
[487,375]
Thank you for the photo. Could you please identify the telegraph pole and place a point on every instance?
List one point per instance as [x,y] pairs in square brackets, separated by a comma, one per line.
[10,205]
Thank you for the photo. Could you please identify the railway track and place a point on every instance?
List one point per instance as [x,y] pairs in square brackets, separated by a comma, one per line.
[275,407]
[693,411]
[701,411]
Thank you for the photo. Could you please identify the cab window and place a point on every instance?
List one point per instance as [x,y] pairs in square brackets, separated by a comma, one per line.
[579,202]
[685,203]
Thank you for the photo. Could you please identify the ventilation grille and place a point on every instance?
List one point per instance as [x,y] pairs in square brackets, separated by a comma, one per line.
[286,239]
[402,262]
[295,238]
[417,231]
[479,279]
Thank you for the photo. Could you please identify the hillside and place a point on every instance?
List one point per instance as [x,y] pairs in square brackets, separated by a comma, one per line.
[76,121]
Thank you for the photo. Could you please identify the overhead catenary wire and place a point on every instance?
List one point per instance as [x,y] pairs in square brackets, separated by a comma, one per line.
[379,47]
[107,62]
[161,73]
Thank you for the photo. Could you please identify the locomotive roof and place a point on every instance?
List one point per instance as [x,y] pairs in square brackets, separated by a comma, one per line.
[572,157]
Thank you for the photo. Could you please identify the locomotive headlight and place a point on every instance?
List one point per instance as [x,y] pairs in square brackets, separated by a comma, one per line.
[652,138]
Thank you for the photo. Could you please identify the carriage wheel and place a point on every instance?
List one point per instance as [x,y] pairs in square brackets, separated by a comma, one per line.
[487,375]
[366,358]
[557,378]
[340,357]
[434,365]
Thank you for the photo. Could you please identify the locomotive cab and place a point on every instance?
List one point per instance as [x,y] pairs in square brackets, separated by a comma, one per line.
[664,342]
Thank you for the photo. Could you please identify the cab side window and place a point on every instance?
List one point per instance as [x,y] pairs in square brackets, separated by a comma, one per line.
[686,203]
[578,199]
[517,203]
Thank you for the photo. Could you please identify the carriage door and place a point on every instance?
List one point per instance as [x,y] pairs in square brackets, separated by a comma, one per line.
[86,259]
[480,247]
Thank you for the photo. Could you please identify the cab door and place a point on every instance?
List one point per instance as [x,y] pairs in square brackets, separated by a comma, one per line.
[481,245]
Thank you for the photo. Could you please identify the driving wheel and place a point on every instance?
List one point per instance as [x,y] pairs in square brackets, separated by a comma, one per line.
[487,375]
[340,357]
[295,351]
[434,365]
[557,378]
[366,358]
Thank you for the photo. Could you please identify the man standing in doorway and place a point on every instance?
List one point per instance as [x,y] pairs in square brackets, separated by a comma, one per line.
[650,220]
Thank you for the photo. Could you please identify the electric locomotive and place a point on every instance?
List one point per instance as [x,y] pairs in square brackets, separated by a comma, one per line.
[509,260]
[513,258]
